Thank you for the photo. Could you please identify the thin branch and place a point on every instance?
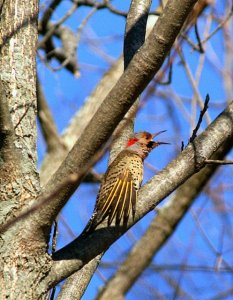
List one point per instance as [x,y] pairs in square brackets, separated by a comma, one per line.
[193,82]
[53,28]
[178,268]
[114,10]
[84,23]
[48,13]
[219,162]
[202,112]
[101,5]
[27,107]
[218,27]
[201,50]
[61,56]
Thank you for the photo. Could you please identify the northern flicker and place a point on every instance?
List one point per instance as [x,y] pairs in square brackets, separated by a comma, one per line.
[117,196]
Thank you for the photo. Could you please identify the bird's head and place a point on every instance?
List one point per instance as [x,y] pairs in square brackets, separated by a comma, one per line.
[142,143]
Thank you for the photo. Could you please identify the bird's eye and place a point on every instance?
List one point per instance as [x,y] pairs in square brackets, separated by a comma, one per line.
[148,136]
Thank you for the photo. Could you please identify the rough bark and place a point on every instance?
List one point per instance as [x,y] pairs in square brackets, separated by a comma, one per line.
[22,254]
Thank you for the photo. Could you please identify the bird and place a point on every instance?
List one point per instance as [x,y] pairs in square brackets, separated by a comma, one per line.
[117,197]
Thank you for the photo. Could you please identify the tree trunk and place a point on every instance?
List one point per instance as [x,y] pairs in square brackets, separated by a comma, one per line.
[22,252]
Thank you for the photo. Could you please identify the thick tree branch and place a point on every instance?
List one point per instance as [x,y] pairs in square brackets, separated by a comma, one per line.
[134,38]
[160,229]
[191,160]
[80,121]
[135,32]
[142,68]
[92,103]
[75,286]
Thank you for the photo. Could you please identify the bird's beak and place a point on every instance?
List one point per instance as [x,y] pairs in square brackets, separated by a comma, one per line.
[162,143]
[158,133]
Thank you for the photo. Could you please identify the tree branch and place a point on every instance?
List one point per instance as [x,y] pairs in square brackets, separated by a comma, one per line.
[75,286]
[161,228]
[145,63]
[219,162]
[75,255]
[135,32]
[80,121]
[48,14]
[134,38]
[202,112]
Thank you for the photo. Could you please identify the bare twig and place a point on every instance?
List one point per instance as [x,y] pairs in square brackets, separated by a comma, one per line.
[101,5]
[219,162]
[218,27]
[84,22]
[202,112]
[48,13]
[53,28]
[209,243]
[197,95]
[198,39]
